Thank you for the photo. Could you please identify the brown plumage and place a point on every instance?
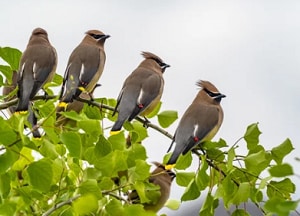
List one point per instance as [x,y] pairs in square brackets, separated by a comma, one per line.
[163,178]
[37,67]
[200,122]
[85,67]
[141,91]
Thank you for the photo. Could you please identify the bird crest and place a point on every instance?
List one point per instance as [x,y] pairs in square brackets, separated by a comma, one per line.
[207,85]
[149,55]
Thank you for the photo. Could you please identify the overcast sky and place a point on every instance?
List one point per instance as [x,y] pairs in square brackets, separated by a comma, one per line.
[249,49]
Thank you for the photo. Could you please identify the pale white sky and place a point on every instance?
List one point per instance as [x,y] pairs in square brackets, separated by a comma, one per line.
[249,49]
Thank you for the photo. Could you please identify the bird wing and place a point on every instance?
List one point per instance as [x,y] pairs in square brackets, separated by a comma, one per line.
[82,67]
[193,129]
[148,89]
[42,61]
[90,57]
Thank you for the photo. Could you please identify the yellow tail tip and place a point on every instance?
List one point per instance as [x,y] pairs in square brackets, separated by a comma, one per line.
[114,132]
[37,138]
[63,104]
[22,112]
[169,166]
[82,89]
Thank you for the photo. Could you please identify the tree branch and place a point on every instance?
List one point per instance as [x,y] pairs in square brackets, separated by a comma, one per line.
[59,205]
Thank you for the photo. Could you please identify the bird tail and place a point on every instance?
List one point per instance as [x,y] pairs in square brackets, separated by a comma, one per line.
[173,159]
[117,127]
[22,106]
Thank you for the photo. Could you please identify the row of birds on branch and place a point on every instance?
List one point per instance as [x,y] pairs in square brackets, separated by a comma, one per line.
[141,91]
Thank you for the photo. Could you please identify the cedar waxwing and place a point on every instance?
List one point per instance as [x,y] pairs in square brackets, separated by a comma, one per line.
[200,122]
[163,178]
[85,67]
[141,91]
[7,89]
[37,67]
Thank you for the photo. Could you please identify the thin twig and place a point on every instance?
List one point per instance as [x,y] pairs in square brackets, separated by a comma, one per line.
[59,205]
[138,118]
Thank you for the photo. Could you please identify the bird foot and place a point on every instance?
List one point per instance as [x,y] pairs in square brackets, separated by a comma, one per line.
[146,122]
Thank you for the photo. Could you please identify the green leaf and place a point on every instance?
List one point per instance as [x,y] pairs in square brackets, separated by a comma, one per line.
[137,210]
[140,130]
[155,111]
[215,154]
[240,212]
[72,115]
[73,143]
[7,159]
[257,162]
[242,194]
[12,56]
[50,130]
[57,80]
[118,141]
[114,207]
[231,156]
[184,178]
[173,204]
[93,112]
[191,192]
[184,161]
[112,163]
[166,118]
[47,149]
[85,204]
[106,183]
[279,152]
[25,160]
[140,172]
[7,209]
[208,207]
[212,145]
[4,185]
[252,136]
[140,188]
[281,189]
[281,207]
[202,178]
[281,170]
[91,127]
[40,175]
[135,152]
[103,147]
[7,71]
[7,135]
[90,187]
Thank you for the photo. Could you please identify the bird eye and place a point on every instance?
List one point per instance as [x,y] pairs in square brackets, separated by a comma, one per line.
[212,94]
[96,36]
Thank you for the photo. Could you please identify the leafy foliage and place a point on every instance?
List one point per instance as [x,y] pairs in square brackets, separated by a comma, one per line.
[76,169]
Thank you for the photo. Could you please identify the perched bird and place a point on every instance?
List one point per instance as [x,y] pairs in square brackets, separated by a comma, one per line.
[163,178]
[200,122]
[7,90]
[141,91]
[85,67]
[37,67]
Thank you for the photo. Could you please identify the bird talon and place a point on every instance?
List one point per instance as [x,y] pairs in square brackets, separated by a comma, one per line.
[146,122]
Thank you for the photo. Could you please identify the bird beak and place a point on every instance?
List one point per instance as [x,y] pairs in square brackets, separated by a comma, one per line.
[220,96]
[163,67]
[106,36]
